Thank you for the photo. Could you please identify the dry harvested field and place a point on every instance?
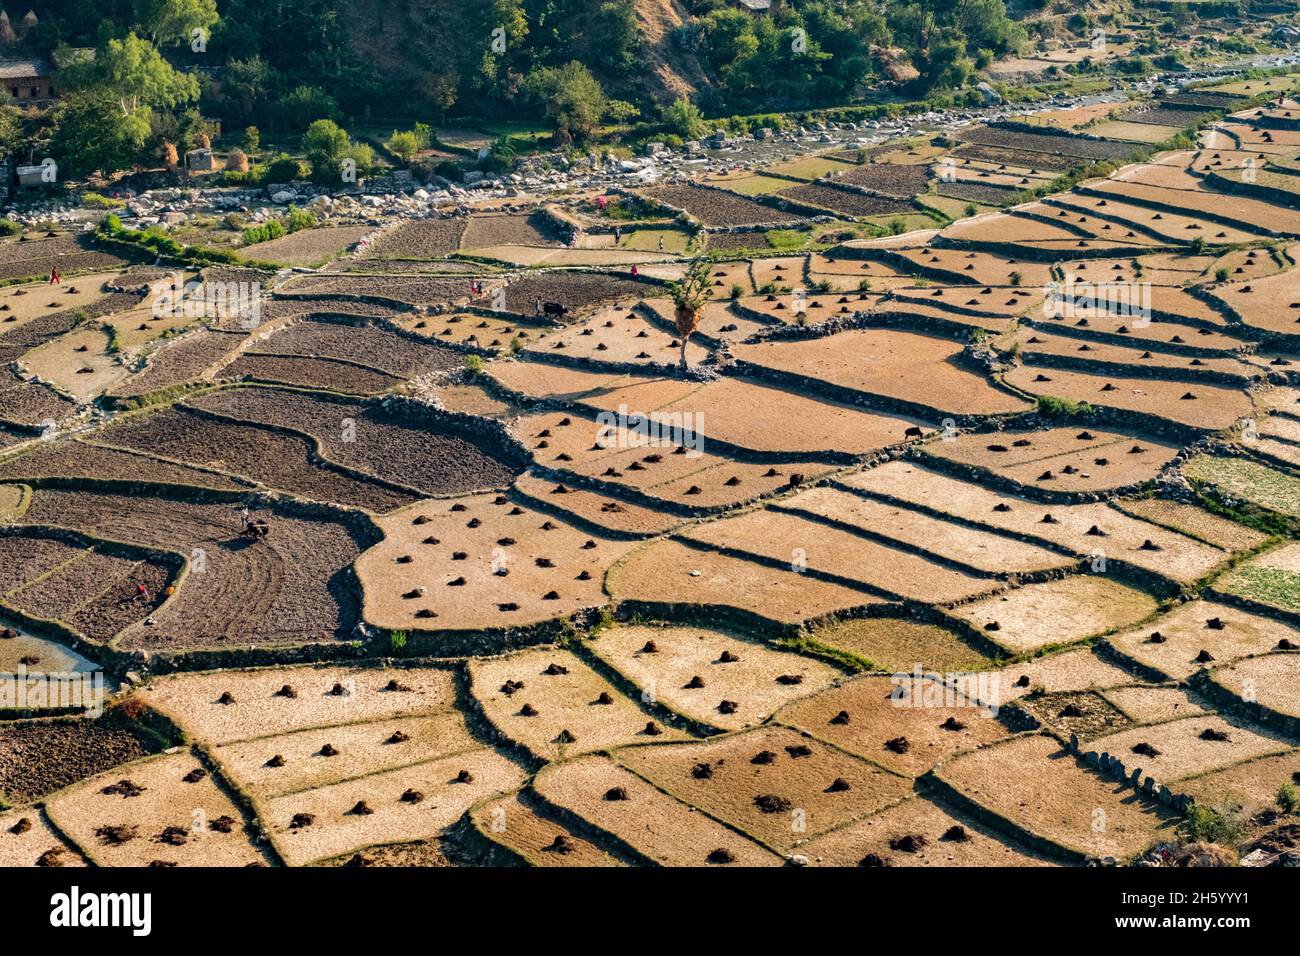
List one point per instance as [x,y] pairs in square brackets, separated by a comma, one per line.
[308,246]
[1199,406]
[898,644]
[615,336]
[30,841]
[78,364]
[697,671]
[299,591]
[368,437]
[404,575]
[882,569]
[481,562]
[905,725]
[1079,459]
[1042,792]
[518,824]
[1193,635]
[981,550]
[1184,748]
[1089,530]
[419,239]
[1267,303]
[1025,230]
[652,464]
[366,811]
[714,207]
[1044,349]
[244,705]
[1056,612]
[917,832]
[272,459]
[358,749]
[1196,523]
[618,516]
[658,827]
[670,572]
[900,365]
[165,810]
[771,783]
[556,706]
[737,411]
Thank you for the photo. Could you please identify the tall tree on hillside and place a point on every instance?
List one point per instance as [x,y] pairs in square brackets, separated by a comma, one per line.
[134,74]
[168,22]
[246,88]
[497,29]
[93,134]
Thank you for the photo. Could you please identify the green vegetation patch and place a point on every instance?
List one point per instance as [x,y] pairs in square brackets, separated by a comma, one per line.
[1273,586]
[1257,484]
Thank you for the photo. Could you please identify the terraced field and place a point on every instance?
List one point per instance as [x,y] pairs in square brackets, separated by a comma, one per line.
[443,563]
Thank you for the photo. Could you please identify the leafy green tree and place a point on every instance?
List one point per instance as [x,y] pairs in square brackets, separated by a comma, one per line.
[284,169]
[570,97]
[484,20]
[684,118]
[945,65]
[168,22]
[325,144]
[362,157]
[252,139]
[132,72]
[405,145]
[441,90]
[92,134]
[304,104]
[246,88]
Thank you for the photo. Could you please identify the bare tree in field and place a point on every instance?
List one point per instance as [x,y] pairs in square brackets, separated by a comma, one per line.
[689,295]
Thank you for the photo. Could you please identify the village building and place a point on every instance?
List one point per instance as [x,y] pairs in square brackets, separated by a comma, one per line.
[28,81]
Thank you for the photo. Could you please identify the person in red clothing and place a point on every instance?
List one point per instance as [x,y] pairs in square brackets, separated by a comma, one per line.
[54,275]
